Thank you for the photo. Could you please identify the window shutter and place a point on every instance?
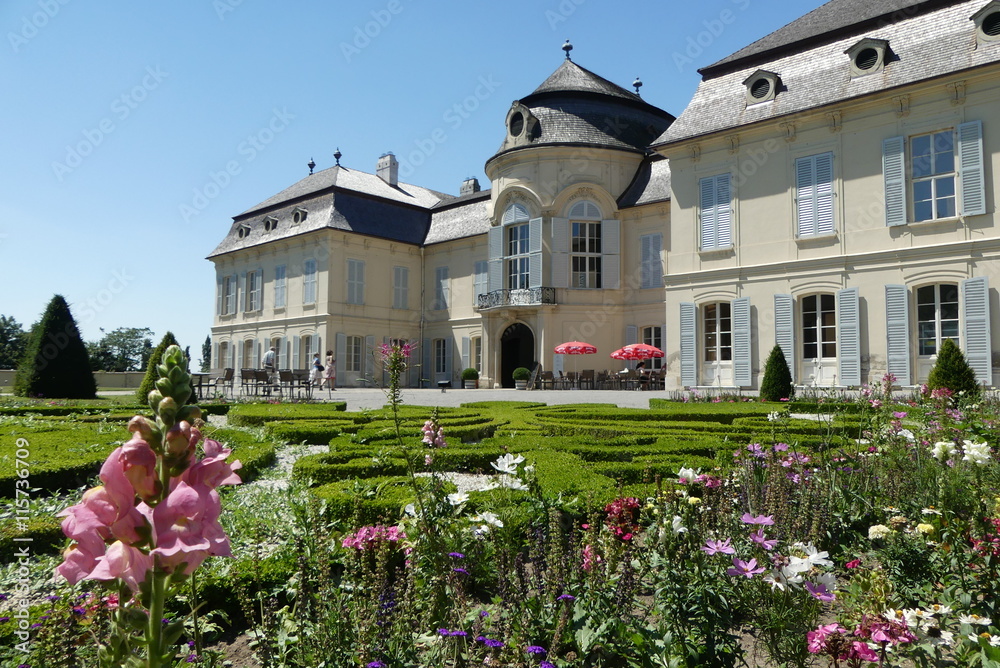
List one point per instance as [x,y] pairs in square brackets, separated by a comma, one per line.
[427,370]
[849,337]
[289,360]
[970,171]
[894,173]
[448,346]
[535,253]
[645,269]
[650,261]
[976,323]
[495,280]
[216,362]
[218,295]
[784,328]
[805,195]
[318,348]
[256,354]
[723,212]
[295,353]
[708,218]
[611,258]
[280,354]
[824,193]
[897,333]
[241,291]
[689,345]
[341,354]
[369,357]
[232,355]
[479,285]
[560,253]
[233,293]
[742,365]
[466,362]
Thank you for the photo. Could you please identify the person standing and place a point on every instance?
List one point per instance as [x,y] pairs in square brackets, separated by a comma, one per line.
[317,371]
[331,372]
[268,363]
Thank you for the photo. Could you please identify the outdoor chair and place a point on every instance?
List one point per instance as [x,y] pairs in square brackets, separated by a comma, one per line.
[226,380]
[248,381]
[292,383]
[302,382]
[547,378]
[587,379]
[629,380]
[262,381]
[571,379]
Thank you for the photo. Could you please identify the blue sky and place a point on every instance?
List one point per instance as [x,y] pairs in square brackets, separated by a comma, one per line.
[134,131]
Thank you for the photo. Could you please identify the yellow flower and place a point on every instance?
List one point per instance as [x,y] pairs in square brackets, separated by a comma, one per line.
[925,529]
[694,500]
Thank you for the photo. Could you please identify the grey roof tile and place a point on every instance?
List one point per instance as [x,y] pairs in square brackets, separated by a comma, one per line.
[572,77]
[651,184]
[467,219]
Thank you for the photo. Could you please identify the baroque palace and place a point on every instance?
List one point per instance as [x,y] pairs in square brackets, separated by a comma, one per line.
[830,189]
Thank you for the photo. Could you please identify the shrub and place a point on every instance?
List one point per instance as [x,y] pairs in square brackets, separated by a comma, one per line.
[470,374]
[521,373]
[777,382]
[55,363]
[953,371]
[149,380]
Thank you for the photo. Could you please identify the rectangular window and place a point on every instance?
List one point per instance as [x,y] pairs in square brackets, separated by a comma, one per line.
[718,332]
[305,353]
[937,317]
[651,267]
[814,194]
[480,286]
[517,257]
[355,282]
[255,290]
[400,286]
[229,290]
[279,286]
[653,336]
[585,260]
[819,327]
[477,353]
[223,361]
[441,288]
[440,355]
[309,282]
[355,346]
[716,213]
[932,174]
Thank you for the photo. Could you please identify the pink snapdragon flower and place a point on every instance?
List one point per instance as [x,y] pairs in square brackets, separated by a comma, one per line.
[186,527]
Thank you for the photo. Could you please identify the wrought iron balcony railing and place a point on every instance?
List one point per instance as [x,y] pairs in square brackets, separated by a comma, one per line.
[525,297]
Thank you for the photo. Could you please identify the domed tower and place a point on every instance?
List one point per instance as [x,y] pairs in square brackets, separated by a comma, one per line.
[572,148]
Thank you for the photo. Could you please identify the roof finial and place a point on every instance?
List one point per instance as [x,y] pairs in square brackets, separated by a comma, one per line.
[336,156]
[638,84]
[311,165]
[567,47]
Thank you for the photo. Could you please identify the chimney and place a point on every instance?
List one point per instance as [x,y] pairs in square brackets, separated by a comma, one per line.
[469,186]
[388,168]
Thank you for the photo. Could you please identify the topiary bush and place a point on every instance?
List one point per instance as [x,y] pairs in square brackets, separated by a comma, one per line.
[777,382]
[521,373]
[55,364]
[149,381]
[952,371]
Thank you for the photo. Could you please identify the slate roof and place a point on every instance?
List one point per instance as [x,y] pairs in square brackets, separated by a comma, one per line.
[651,184]
[925,46]
[572,77]
[462,217]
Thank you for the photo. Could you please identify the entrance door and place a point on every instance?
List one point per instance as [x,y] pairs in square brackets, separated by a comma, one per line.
[517,348]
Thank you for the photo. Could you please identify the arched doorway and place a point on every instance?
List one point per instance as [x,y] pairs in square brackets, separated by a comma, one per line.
[517,348]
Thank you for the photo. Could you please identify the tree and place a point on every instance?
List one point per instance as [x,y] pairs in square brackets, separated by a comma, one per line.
[951,370]
[777,382]
[206,355]
[55,363]
[149,381]
[124,349]
[13,341]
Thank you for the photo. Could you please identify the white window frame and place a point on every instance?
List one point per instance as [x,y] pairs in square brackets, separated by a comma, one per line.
[516,247]
[229,292]
[400,287]
[937,321]
[713,340]
[441,356]
[442,288]
[355,281]
[354,347]
[823,328]
[715,216]
[309,282]
[585,254]
[255,291]
[652,335]
[476,346]
[935,176]
[280,286]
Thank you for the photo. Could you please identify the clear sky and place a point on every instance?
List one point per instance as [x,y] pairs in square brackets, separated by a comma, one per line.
[132,132]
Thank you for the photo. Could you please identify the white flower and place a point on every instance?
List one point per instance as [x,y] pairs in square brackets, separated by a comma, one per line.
[687,474]
[677,526]
[977,453]
[507,463]
[797,565]
[994,641]
[943,450]
[458,498]
[774,416]
[813,555]
[530,468]
[510,482]
[828,580]
[410,510]
[973,618]
[907,434]
[930,511]
[488,518]
[878,531]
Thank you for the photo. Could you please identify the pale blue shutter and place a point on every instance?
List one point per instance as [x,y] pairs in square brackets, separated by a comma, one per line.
[897,333]
[216,362]
[341,355]
[427,371]
[535,253]
[784,328]
[611,254]
[651,265]
[448,346]
[560,253]
[894,173]
[723,212]
[824,193]
[976,323]
[495,280]
[708,217]
[631,335]
[742,353]
[218,295]
[689,344]
[849,337]
[232,355]
[256,354]
[480,285]
[295,353]
[970,170]
[814,194]
[369,356]
[241,290]
[466,345]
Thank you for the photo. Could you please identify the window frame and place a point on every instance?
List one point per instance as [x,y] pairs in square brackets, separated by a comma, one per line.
[586,235]
[255,291]
[309,271]
[652,335]
[400,288]
[819,313]
[229,294]
[353,347]
[933,176]
[280,286]
[717,333]
[355,281]
[476,348]
[440,356]
[516,264]
[937,321]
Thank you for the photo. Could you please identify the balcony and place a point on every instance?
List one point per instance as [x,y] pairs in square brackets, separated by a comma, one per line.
[526,297]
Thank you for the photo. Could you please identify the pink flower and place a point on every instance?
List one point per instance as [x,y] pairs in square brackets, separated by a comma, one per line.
[855,563]
[747,569]
[124,562]
[819,591]
[139,466]
[590,558]
[766,520]
[816,640]
[186,527]
[80,558]
[758,537]
[212,470]
[712,547]
[861,650]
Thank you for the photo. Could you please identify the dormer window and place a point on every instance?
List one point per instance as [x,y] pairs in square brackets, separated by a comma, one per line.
[522,126]
[762,86]
[242,231]
[299,215]
[270,223]
[868,56]
[987,22]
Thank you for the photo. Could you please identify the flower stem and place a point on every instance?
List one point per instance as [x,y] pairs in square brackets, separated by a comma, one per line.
[154,632]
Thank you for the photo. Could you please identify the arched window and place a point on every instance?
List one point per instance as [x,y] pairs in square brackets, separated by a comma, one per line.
[585,245]
[516,246]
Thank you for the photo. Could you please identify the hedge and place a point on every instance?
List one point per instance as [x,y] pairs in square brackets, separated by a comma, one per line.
[375,500]
[255,455]
[45,534]
[255,415]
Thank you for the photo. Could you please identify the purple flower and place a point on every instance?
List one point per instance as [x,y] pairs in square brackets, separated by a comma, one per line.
[4,619]
[718,546]
[375,664]
[483,613]
[489,642]
[535,649]
[456,555]
[52,597]
[780,447]
[460,633]
[756,451]
[546,664]
[444,632]
[767,520]
[820,592]
[747,569]
[566,597]
[758,537]
[460,570]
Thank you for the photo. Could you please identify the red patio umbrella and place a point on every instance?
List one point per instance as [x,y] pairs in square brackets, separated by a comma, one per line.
[575,348]
[637,351]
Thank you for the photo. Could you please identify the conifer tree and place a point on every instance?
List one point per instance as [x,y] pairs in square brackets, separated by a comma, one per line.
[777,382]
[149,381]
[55,363]
[953,371]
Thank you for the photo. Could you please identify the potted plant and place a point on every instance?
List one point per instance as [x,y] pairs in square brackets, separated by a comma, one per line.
[470,378]
[521,376]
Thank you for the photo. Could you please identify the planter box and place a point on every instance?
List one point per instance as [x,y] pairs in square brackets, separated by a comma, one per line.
[520,384]
[470,384]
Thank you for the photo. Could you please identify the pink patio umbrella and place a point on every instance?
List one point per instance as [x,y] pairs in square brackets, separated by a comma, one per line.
[637,351]
[575,348]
